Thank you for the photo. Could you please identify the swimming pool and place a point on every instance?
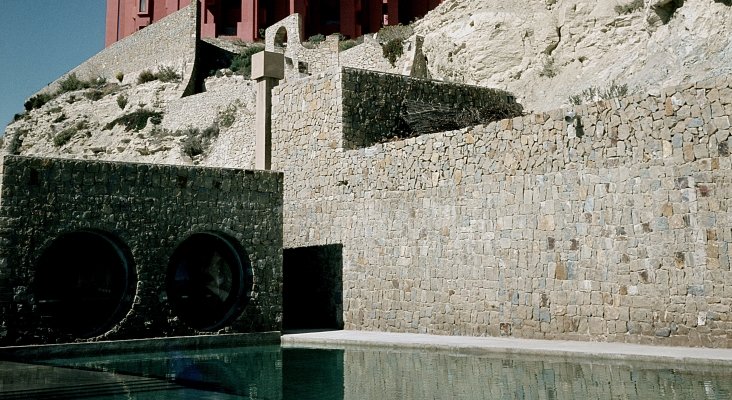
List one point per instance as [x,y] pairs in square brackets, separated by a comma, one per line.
[274,372]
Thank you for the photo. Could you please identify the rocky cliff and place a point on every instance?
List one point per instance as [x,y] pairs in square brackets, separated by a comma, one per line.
[545,51]
[548,53]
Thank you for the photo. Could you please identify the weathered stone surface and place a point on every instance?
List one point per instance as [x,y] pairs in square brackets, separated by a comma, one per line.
[546,51]
[614,236]
[151,209]
[228,98]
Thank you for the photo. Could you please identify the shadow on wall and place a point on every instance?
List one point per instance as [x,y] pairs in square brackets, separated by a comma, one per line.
[379,107]
[312,292]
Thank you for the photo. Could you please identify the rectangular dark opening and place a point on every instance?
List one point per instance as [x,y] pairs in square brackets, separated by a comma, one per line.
[312,292]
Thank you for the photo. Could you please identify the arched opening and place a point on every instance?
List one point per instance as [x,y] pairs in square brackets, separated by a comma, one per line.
[280,40]
[84,283]
[209,277]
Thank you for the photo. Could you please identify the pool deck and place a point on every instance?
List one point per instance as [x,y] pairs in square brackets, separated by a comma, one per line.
[511,346]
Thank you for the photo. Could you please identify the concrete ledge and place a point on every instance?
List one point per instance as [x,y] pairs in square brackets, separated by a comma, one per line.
[36,352]
[511,346]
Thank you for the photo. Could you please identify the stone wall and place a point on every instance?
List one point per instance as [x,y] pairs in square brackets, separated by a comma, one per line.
[224,97]
[285,37]
[169,42]
[375,104]
[370,56]
[313,120]
[610,222]
[150,209]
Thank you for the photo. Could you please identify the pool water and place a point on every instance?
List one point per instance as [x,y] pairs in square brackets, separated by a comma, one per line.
[273,372]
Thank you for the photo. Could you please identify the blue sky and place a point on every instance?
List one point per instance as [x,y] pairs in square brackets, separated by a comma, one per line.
[39,41]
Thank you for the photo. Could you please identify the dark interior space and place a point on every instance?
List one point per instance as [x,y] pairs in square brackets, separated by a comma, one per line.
[84,283]
[313,287]
[209,277]
[229,18]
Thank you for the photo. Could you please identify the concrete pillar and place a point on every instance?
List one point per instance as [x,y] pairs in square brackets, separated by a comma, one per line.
[208,21]
[373,15]
[393,7]
[112,22]
[249,21]
[267,69]
[348,19]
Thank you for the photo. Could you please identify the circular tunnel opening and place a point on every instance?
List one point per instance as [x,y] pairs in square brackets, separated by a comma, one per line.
[208,278]
[84,283]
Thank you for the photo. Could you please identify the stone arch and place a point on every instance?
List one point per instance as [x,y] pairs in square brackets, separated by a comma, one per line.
[281,38]
[84,283]
[209,280]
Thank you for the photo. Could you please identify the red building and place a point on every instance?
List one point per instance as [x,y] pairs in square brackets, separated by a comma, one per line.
[245,18]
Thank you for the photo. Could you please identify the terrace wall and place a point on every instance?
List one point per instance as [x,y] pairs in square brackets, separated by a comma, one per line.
[612,225]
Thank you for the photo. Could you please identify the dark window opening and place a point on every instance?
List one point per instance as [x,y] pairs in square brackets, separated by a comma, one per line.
[209,280]
[312,289]
[85,283]
[229,18]
[280,40]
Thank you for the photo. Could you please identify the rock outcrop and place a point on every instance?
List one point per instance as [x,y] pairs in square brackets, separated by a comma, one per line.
[214,128]
[546,51]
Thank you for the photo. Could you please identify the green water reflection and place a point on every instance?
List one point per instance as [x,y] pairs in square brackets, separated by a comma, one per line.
[272,372]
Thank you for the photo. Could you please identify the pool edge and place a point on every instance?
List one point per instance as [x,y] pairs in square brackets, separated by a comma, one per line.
[67,350]
[563,349]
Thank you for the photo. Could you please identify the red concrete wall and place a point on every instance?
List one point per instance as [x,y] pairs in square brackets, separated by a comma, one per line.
[112,19]
[357,17]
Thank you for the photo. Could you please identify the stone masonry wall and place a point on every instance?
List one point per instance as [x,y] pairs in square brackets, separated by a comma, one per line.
[150,208]
[373,103]
[224,97]
[613,225]
[370,56]
[169,42]
[285,37]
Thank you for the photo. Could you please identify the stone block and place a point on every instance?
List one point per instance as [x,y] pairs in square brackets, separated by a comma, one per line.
[266,64]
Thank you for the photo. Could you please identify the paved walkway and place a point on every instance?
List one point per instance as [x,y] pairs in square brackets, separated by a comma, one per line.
[511,346]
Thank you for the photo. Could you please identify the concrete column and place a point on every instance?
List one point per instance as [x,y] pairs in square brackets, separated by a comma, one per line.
[393,7]
[249,20]
[112,22]
[267,69]
[373,15]
[208,21]
[348,19]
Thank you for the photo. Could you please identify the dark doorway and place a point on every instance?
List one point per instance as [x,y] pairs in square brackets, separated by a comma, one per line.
[84,283]
[209,280]
[312,292]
